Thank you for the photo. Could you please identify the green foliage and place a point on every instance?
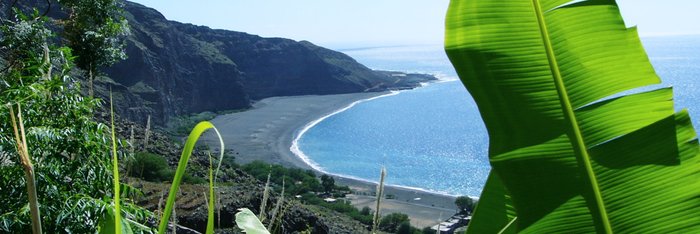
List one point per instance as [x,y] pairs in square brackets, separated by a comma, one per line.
[94,30]
[575,147]
[405,228]
[22,43]
[298,181]
[366,211]
[107,224]
[303,182]
[118,223]
[71,150]
[154,168]
[150,167]
[328,183]
[180,172]
[464,203]
[212,199]
[341,206]
[391,222]
[249,223]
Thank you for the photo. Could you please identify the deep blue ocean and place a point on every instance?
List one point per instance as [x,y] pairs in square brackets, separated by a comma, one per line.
[433,138]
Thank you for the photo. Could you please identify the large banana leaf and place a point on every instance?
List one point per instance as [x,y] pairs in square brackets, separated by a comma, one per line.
[572,153]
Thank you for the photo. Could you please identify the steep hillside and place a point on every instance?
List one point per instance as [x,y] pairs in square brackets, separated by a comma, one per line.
[175,68]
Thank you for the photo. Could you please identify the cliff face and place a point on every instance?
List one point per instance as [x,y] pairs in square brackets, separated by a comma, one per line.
[169,72]
[283,67]
[175,68]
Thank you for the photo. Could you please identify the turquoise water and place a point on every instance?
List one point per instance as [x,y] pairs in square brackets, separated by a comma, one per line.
[432,138]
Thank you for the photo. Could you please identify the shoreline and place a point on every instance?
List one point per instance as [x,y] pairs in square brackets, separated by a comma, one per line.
[267,131]
[294,148]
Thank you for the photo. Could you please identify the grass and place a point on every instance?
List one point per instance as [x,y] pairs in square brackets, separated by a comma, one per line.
[210,212]
[115,171]
[380,192]
[266,196]
[198,130]
[276,209]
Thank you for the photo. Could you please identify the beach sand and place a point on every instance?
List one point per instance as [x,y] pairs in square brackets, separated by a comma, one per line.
[266,131]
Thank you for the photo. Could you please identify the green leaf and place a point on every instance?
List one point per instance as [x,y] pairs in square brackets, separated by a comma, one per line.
[249,223]
[198,130]
[494,211]
[115,173]
[210,211]
[107,224]
[575,148]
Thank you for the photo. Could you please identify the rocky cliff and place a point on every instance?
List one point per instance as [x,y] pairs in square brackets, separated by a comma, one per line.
[175,68]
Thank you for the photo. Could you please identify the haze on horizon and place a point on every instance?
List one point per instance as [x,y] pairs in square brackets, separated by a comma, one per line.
[340,23]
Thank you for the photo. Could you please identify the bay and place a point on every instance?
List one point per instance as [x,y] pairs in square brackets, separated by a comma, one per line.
[432,138]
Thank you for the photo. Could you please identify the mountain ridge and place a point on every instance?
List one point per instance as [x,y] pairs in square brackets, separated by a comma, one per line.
[179,68]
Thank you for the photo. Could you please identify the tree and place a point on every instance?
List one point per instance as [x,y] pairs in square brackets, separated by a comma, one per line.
[94,30]
[391,222]
[328,183]
[465,204]
[73,176]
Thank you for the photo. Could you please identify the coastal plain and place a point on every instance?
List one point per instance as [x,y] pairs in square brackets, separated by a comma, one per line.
[266,131]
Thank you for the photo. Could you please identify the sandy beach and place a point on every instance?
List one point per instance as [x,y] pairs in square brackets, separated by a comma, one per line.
[266,132]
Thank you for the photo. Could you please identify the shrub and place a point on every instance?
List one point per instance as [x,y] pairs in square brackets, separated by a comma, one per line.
[154,168]
[299,181]
[73,177]
[150,167]
[404,228]
[391,222]
[366,211]
[465,204]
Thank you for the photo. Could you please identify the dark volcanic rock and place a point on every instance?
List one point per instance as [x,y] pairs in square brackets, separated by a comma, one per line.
[175,68]
[172,72]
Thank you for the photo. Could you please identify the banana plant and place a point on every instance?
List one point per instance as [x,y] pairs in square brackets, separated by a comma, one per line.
[581,138]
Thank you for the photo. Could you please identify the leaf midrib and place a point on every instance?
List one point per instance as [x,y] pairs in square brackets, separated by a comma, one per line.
[578,143]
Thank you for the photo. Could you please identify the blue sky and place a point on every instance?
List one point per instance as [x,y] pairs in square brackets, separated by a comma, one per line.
[338,23]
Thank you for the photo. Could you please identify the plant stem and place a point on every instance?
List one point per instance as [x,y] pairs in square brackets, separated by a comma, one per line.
[115,171]
[91,92]
[577,142]
[380,192]
[23,152]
